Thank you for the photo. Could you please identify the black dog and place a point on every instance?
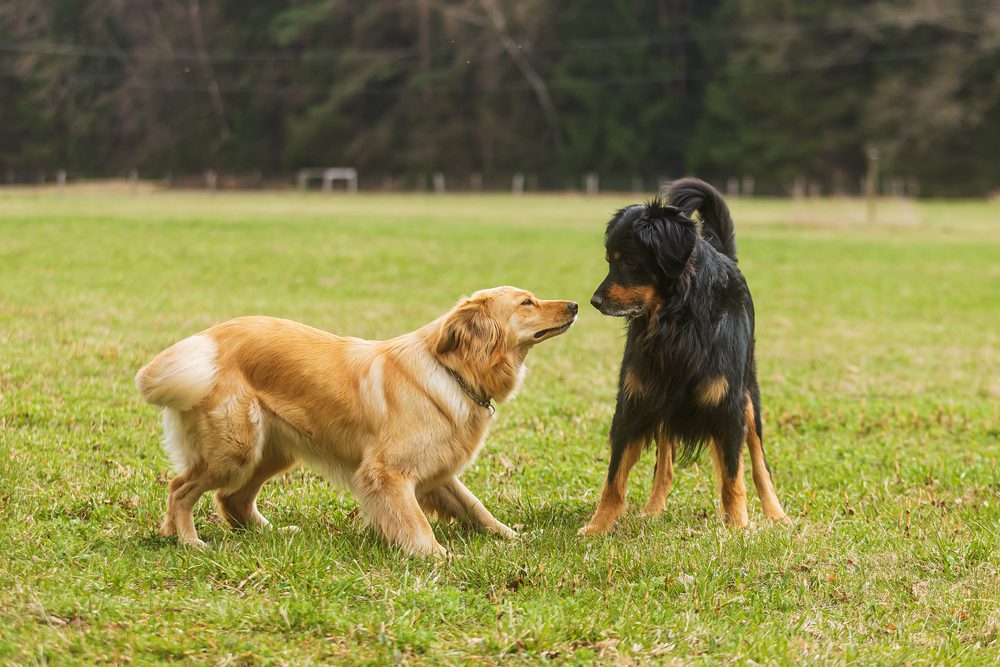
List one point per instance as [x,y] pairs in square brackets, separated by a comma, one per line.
[688,377]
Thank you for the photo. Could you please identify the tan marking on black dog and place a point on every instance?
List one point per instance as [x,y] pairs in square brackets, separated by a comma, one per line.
[732,492]
[711,392]
[632,385]
[612,503]
[663,477]
[761,475]
[645,294]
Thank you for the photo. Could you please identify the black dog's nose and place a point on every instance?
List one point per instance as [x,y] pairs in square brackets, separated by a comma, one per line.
[573,307]
[596,301]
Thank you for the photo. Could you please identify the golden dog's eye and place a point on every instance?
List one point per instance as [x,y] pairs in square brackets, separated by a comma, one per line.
[526,302]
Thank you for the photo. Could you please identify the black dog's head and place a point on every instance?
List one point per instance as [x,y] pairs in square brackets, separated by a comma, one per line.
[648,247]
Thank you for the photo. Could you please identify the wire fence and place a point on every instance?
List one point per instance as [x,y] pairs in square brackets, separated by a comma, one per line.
[443,183]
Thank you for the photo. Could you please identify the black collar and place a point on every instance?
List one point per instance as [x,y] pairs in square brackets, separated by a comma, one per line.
[481,402]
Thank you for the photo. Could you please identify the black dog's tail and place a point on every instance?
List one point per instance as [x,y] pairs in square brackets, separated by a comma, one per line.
[694,194]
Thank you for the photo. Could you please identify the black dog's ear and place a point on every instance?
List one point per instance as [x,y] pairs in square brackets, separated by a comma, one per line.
[669,236]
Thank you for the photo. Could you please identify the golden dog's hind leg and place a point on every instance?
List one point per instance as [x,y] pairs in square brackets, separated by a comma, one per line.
[184,494]
[167,527]
[663,477]
[612,503]
[390,503]
[452,500]
[761,474]
[221,450]
[239,507]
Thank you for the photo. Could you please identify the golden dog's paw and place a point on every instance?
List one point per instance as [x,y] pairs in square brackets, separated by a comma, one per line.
[433,551]
[195,543]
[504,531]
[592,529]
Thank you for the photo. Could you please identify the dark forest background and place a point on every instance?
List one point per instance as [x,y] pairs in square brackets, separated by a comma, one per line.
[773,89]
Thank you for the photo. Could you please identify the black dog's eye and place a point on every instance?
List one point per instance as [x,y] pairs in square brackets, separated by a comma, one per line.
[526,302]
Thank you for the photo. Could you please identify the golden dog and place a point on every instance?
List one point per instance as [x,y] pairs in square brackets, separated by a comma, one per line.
[395,421]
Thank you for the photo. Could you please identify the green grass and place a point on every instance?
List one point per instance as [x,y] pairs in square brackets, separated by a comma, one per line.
[879,356]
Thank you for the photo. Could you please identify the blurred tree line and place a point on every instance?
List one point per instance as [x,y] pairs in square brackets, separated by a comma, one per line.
[774,89]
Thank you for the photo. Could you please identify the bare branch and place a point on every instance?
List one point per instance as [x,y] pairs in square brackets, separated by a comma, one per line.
[534,79]
[215,94]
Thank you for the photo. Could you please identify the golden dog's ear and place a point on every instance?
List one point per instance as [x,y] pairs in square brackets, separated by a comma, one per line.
[471,330]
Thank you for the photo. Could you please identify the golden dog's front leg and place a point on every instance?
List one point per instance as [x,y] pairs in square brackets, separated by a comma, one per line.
[452,500]
[388,500]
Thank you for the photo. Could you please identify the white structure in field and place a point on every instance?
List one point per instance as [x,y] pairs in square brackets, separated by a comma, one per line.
[329,175]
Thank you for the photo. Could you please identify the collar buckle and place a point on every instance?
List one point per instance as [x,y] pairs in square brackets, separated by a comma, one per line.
[481,402]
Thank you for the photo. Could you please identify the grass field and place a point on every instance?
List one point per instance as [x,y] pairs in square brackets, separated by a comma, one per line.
[879,356]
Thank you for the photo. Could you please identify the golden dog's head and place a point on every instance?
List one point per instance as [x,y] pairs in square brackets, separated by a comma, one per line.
[488,334]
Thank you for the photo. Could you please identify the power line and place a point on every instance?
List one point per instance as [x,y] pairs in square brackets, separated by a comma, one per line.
[166,85]
[772,29]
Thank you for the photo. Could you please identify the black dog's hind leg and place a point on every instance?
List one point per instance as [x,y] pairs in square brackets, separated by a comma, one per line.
[663,476]
[758,464]
[727,450]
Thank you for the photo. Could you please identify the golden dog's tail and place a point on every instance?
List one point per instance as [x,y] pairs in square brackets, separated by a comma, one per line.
[180,376]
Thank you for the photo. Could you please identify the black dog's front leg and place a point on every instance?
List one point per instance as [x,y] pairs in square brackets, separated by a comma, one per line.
[626,446]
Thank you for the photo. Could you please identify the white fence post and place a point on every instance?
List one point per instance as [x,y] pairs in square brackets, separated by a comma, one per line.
[732,186]
[871,183]
[799,187]
[592,183]
[897,187]
[662,185]
[517,184]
